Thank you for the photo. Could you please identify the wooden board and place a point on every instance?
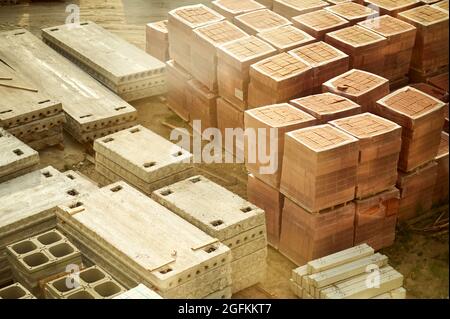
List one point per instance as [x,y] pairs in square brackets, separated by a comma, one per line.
[320,22]
[286,38]
[232,8]
[292,8]
[259,21]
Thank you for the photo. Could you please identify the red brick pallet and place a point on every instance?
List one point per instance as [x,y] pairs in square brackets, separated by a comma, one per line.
[157,40]
[439,94]
[283,117]
[177,89]
[442,5]
[292,8]
[232,8]
[202,104]
[361,87]
[326,107]
[352,12]
[259,21]
[320,22]
[391,7]
[440,81]
[440,192]
[421,118]
[286,38]
[228,116]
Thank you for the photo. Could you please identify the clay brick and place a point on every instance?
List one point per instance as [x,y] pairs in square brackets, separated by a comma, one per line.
[230,117]
[157,40]
[440,192]
[292,8]
[232,8]
[391,7]
[319,22]
[352,12]
[286,38]
[259,21]
[177,95]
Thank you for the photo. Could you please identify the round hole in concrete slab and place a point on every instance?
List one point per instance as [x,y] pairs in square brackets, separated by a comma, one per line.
[107,289]
[61,285]
[35,259]
[61,250]
[24,247]
[81,295]
[13,292]
[92,275]
[49,238]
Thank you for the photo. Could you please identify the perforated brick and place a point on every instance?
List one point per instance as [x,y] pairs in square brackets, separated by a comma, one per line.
[365,125]
[259,21]
[425,15]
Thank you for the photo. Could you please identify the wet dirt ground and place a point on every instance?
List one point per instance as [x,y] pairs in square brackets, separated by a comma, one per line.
[421,257]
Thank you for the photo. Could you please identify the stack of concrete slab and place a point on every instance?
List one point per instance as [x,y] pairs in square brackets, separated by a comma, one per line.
[365,48]
[441,187]
[177,89]
[391,7]
[327,107]
[320,22]
[401,37]
[139,292]
[361,87]
[326,62]
[137,240]
[204,45]
[233,68]
[232,8]
[28,204]
[286,38]
[202,104]
[39,257]
[292,8]
[119,65]
[142,158]
[88,283]
[278,79]
[157,40]
[16,158]
[15,291]
[181,23]
[91,109]
[430,54]
[259,21]
[221,214]
[27,113]
[352,12]
[348,274]
[443,5]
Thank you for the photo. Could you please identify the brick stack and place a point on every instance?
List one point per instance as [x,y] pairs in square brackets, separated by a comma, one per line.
[259,21]
[365,48]
[430,54]
[232,8]
[292,8]
[286,38]
[157,40]
[279,79]
[441,82]
[401,37]
[201,104]
[442,5]
[352,12]
[391,7]
[320,22]
[326,62]
[266,3]
[440,192]
[327,107]
[361,87]
[178,97]
[421,118]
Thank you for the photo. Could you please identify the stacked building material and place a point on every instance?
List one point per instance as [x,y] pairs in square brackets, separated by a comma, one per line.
[15,291]
[90,283]
[267,3]
[231,118]
[278,79]
[233,68]
[441,82]
[346,275]
[232,8]
[28,204]
[320,22]
[443,5]
[137,240]
[122,67]
[202,104]
[430,54]
[221,214]
[353,12]
[292,8]
[431,90]
[326,107]
[361,87]
[326,62]
[440,193]
[142,158]
[139,292]
[181,23]
[286,38]
[40,257]
[91,109]
[204,45]
[391,7]
[177,89]
[401,37]
[365,48]
[16,158]
[157,40]
[259,21]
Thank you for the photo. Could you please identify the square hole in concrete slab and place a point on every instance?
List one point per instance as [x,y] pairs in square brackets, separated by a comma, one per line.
[135,130]
[72,192]
[177,154]
[107,289]
[70,176]
[18,152]
[116,189]
[47,174]
[62,285]
[81,295]
[13,292]
[107,140]
[195,180]
[75,205]
[35,259]
[61,250]
[24,247]
[210,249]
[246,209]
[149,164]
[216,223]
[49,238]
[92,275]
[166,192]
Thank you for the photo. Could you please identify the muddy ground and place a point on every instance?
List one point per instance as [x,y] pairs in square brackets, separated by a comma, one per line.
[421,257]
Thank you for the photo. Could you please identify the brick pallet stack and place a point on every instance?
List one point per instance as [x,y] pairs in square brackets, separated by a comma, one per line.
[326,62]
[391,7]
[292,8]
[441,187]
[326,107]
[401,37]
[259,21]
[157,40]
[352,12]
[286,38]
[223,215]
[365,48]
[361,87]
[377,200]
[263,187]
[266,3]
[178,97]
[318,179]
[442,5]
[421,118]
[441,82]
[232,8]
[201,104]
[430,54]
[319,23]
